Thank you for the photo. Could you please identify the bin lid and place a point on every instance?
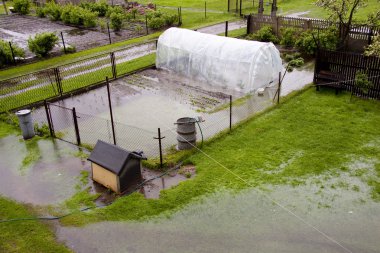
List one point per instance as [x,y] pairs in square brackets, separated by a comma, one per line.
[23,112]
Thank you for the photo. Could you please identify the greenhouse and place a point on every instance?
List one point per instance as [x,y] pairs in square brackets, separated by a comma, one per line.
[231,63]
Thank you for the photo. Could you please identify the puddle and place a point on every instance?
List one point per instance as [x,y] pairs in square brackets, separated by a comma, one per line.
[49,180]
[77,32]
[154,99]
[244,222]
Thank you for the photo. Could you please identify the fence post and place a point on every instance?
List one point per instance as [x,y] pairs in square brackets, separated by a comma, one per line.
[48,117]
[110,106]
[241,6]
[63,42]
[249,20]
[226,32]
[76,126]
[113,65]
[228,7]
[237,6]
[159,138]
[109,34]
[230,112]
[146,24]
[180,12]
[370,36]
[279,88]
[13,54]
[58,80]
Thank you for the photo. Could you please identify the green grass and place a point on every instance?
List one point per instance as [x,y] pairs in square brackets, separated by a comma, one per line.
[25,236]
[311,134]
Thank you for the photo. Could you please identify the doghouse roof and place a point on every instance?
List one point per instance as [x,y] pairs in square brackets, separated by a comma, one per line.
[112,157]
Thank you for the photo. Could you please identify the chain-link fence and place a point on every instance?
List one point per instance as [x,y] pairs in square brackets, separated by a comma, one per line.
[56,82]
[84,129]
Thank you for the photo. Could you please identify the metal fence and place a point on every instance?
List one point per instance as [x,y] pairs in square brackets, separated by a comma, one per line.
[359,36]
[83,129]
[341,69]
[57,82]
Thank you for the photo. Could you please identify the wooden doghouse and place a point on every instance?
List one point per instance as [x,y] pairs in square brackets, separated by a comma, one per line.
[114,167]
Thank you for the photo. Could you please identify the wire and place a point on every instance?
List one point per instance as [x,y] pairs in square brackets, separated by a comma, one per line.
[265,195]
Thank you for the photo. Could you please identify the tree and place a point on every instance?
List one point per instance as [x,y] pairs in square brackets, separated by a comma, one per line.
[343,11]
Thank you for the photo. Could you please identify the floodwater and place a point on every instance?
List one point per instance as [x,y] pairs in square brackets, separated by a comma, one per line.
[306,218]
[154,99]
[49,180]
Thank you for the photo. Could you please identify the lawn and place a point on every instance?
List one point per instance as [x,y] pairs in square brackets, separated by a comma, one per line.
[313,134]
[25,236]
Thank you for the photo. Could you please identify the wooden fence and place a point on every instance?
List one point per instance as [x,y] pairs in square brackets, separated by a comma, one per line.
[342,68]
[359,37]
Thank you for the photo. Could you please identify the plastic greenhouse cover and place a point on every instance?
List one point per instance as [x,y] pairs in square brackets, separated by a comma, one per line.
[227,62]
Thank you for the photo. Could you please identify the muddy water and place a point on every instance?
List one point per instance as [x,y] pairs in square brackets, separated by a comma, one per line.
[156,99]
[247,222]
[50,180]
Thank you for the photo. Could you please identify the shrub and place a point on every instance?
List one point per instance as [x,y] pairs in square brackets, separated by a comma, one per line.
[6,53]
[89,18]
[101,7]
[308,41]
[102,23]
[170,19]
[42,43]
[70,49]
[289,37]
[138,29]
[374,48]
[40,12]
[53,11]
[156,23]
[116,21]
[265,34]
[362,82]
[21,6]
[115,9]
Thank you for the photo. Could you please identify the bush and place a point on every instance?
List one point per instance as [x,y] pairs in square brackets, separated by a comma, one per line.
[70,49]
[307,41]
[53,11]
[101,7]
[265,34]
[156,23]
[89,18]
[42,43]
[116,21]
[40,12]
[170,19]
[6,53]
[289,37]
[21,6]
[115,9]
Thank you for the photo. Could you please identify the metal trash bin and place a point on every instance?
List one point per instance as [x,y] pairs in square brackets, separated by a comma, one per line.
[26,123]
[187,134]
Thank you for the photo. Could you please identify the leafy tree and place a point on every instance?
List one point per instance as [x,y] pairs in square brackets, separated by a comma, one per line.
[343,11]
[42,43]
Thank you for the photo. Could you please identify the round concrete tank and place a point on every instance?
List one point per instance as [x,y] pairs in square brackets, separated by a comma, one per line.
[26,123]
[187,134]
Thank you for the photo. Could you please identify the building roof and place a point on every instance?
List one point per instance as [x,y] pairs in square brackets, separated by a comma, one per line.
[111,157]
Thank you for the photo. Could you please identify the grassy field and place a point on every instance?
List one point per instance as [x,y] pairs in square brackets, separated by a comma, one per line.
[25,236]
[312,134]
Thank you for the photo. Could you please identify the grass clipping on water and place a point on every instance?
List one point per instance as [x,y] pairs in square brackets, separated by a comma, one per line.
[311,134]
